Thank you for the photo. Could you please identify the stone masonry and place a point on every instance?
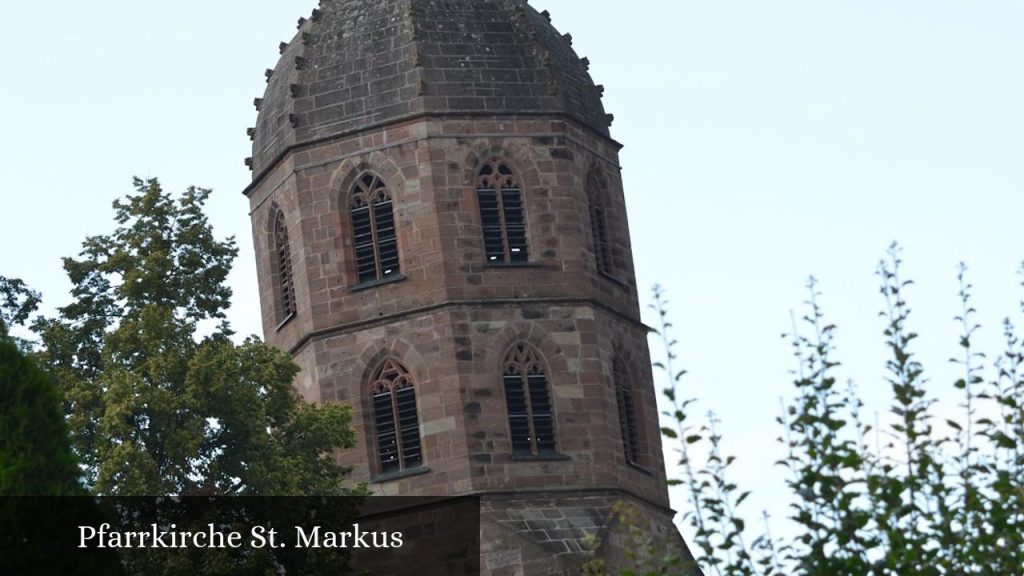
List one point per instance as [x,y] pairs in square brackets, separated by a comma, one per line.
[423,93]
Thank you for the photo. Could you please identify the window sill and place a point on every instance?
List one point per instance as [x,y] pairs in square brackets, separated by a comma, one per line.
[513,265]
[613,279]
[399,474]
[390,279]
[286,320]
[542,457]
[640,469]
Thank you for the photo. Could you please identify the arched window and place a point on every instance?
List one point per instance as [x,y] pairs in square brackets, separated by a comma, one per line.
[530,421]
[627,409]
[502,216]
[597,191]
[395,421]
[281,264]
[373,229]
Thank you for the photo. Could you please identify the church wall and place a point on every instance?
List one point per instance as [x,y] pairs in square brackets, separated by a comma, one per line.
[555,534]
[455,356]
[423,95]
[576,342]
[452,317]
[430,165]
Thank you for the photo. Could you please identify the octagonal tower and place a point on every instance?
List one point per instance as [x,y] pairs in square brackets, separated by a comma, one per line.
[441,242]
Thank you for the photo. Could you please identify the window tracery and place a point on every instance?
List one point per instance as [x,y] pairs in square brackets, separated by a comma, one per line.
[395,419]
[373,229]
[528,401]
[597,192]
[284,285]
[502,214]
[626,403]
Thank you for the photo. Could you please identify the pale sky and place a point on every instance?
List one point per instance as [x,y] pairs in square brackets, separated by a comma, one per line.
[764,142]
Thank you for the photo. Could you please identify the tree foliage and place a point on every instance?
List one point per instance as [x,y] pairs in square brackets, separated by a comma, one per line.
[159,398]
[918,498]
[17,302]
[35,450]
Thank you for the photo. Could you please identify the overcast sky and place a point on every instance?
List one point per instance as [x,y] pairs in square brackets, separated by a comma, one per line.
[764,142]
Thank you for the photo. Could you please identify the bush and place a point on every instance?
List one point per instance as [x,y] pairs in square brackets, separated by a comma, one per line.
[933,500]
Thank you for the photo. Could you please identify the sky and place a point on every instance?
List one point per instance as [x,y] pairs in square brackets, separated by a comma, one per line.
[764,142]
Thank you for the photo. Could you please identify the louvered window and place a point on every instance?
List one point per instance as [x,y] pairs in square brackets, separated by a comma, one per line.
[502,215]
[395,420]
[282,268]
[627,410]
[530,421]
[596,194]
[373,229]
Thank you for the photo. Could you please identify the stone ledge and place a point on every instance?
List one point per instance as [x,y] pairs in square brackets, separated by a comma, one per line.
[390,279]
[397,475]
[542,457]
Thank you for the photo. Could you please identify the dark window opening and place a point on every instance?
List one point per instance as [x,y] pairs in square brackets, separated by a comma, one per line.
[395,420]
[502,214]
[373,230]
[627,411]
[597,190]
[282,264]
[530,420]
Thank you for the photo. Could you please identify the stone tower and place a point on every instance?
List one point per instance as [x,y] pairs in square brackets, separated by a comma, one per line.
[441,242]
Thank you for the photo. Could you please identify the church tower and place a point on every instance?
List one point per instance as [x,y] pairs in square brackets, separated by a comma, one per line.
[442,244]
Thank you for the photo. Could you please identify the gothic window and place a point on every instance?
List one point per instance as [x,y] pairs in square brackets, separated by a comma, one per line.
[502,215]
[597,191]
[530,421]
[373,229]
[627,409]
[281,264]
[396,423]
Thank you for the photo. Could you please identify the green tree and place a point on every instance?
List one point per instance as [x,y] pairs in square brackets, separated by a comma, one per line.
[159,398]
[17,303]
[35,450]
[936,498]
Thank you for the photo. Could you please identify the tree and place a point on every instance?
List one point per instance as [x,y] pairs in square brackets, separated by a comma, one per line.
[937,498]
[17,303]
[35,451]
[155,406]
